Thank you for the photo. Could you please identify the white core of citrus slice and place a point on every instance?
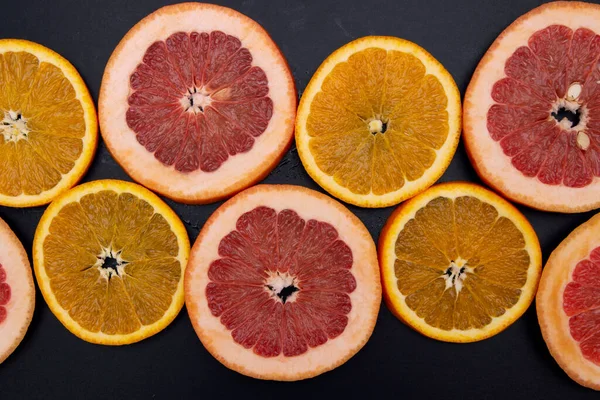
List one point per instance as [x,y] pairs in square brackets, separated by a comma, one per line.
[22,299]
[366,298]
[487,155]
[238,171]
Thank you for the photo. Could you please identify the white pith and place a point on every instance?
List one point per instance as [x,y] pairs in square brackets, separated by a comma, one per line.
[14,126]
[140,164]
[487,154]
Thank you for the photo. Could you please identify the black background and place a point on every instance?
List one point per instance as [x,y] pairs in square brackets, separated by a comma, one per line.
[53,363]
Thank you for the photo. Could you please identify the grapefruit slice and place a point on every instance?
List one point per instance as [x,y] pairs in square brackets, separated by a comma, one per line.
[283,283]
[568,304]
[48,126]
[459,263]
[379,122]
[532,109]
[109,258]
[17,293]
[197,102]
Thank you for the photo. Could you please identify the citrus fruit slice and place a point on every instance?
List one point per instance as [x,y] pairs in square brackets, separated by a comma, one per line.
[197,102]
[459,263]
[532,115]
[379,122]
[283,283]
[17,293]
[568,304]
[48,127]
[109,257]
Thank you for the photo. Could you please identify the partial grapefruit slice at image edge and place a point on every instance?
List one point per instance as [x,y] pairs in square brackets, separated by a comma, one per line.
[568,303]
[458,263]
[109,257]
[283,283]
[17,292]
[544,63]
[48,130]
[222,116]
[379,121]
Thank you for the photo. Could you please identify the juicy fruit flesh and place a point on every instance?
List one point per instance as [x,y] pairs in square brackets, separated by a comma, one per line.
[196,99]
[5,294]
[460,264]
[377,121]
[581,303]
[282,284]
[557,71]
[42,125]
[112,297]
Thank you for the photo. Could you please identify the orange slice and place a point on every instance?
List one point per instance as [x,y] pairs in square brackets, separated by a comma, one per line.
[48,127]
[379,122]
[532,122]
[568,304]
[109,258]
[283,283]
[459,263]
[17,293]
[197,102]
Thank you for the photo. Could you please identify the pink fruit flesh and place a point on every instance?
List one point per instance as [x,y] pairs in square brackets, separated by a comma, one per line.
[196,99]
[266,246]
[4,294]
[537,80]
[581,302]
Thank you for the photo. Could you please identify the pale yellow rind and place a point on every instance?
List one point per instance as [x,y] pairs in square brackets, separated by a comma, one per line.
[42,232]
[90,139]
[387,256]
[444,154]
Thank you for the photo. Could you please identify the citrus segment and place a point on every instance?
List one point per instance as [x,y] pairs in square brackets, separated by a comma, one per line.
[459,263]
[109,258]
[568,301]
[197,102]
[283,283]
[48,129]
[531,109]
[17,293]
[378,121]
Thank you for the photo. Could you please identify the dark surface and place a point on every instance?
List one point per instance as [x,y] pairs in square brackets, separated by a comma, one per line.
[53,363]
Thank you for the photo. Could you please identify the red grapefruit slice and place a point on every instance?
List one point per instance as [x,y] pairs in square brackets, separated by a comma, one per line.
[568,304]
[532,109]
[17,293]
[197,102]
[283,283]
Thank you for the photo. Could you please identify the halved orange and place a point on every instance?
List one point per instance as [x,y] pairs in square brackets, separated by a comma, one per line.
[109,258]
[459,263]
[197,102]
[17,293]
[379,121]
[568,304]
[48,126]
[283,283]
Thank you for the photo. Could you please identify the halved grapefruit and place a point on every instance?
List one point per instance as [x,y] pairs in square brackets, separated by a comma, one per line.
[532,109]
[283,283]
[568,304]
[17,293]
[197,102]
[459,263]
